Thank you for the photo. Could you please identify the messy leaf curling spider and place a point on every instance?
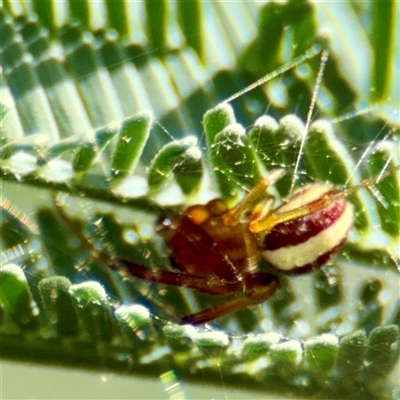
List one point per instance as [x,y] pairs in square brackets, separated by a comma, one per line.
[217,249]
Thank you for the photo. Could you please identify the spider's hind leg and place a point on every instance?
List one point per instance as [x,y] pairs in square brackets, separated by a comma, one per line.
[261,286]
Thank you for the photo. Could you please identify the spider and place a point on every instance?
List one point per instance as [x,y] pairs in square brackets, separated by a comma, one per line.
[217,250]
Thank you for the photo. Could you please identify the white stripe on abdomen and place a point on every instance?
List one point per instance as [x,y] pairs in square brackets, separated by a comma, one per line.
[292,257]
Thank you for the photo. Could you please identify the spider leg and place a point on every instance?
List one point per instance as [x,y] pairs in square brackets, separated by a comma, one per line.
[267,223]
[264,286]
[256,194]
[201,283]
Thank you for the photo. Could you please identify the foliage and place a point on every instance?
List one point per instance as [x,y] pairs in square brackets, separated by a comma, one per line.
[77,79]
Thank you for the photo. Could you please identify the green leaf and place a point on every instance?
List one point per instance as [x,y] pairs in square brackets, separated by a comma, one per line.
[320,353]
[235,159]
[93,308]
[58,305]
[16,297]
[382,351]
[131,141]
[181,158]
[351,356]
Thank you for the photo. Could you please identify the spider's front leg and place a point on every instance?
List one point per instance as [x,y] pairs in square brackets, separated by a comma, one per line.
[259,288]
[254,199]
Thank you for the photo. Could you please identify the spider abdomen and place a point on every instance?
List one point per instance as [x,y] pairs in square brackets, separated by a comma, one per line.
[308,241]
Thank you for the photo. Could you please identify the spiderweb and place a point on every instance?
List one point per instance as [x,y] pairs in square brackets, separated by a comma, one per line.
[111,228]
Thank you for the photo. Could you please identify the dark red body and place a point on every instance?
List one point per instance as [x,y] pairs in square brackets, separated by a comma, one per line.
[207,249]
